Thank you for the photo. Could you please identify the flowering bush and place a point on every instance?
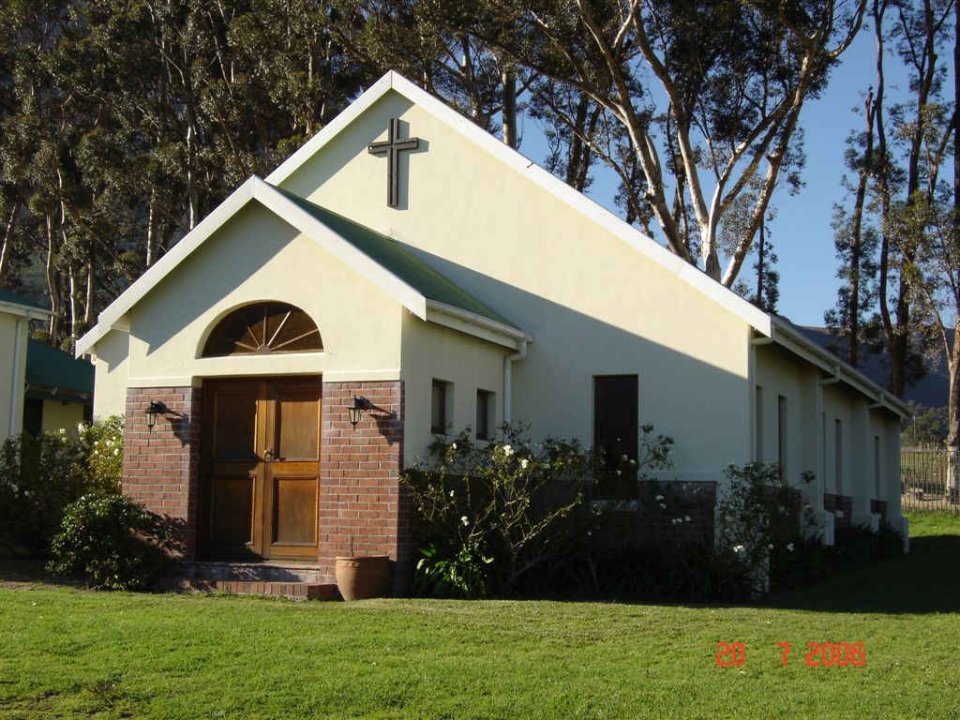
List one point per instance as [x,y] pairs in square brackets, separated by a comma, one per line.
[40,476]
[489,513]
[757,516]
[102,446]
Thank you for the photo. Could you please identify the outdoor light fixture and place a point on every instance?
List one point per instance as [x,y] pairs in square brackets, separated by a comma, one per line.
[359,404]
[156,408]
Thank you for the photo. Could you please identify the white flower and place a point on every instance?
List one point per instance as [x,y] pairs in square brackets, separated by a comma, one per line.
[739,549]
[770,546]
[524,463]
[464,520]
[686,518]
[633,462]
[790,547]
[624,458]
[659,498]
[619,473]
[453,446]
[507,450]
[662,506]
[451,493]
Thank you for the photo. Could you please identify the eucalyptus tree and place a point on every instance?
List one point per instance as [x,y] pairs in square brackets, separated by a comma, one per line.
[708,95]
[424,40]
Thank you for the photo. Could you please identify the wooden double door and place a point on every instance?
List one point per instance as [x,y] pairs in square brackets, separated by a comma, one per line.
[260,465]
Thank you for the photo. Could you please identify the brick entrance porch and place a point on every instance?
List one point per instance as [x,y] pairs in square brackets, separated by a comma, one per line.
[361,506]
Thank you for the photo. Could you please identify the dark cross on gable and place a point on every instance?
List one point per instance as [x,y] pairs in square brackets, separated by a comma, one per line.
[391,148]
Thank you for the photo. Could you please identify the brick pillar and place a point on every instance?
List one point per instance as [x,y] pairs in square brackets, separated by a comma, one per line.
[161,467]
[363,509]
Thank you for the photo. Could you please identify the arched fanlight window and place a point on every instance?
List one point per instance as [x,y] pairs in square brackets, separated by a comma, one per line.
[262,328]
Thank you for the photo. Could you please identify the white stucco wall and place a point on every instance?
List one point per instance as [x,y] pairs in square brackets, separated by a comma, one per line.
[111,360]
[838,405]
[254,257]
[432,352]
[58,415]
[593,304]
[13,364]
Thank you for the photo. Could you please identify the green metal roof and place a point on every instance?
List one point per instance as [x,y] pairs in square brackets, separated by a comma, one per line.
[51,368]
[8,296]
[400,261]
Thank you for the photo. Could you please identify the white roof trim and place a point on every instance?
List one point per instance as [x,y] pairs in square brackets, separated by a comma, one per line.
[256,189]
[797,343]
[725,297]
[27,311]
[477,325]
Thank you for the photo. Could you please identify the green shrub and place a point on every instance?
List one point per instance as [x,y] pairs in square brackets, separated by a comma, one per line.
[111,542]
[462,576]
[40,476]
[509,501]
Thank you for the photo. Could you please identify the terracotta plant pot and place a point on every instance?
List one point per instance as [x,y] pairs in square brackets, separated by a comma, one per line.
[361,577]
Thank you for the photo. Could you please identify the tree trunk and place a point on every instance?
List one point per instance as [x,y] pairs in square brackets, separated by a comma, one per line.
[953,400]
[761,262]
[856,238]
[8,229]
[52,285]
[508,78]
[953,417]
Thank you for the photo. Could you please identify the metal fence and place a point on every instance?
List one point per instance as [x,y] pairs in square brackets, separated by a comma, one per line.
[925,479]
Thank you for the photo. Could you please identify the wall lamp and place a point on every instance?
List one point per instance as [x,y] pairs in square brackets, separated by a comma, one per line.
[155,408]
[359,404]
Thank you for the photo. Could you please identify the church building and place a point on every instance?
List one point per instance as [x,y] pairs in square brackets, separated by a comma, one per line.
[405,275]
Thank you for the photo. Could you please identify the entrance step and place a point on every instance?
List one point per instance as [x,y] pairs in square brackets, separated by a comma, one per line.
[274,572]
[290,590]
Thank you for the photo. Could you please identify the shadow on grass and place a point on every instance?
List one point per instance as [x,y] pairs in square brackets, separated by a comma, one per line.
[925,581]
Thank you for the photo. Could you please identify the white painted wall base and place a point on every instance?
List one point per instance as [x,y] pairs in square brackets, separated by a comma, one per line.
[822,526]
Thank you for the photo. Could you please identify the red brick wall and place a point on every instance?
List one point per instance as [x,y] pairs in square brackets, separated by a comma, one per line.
[362,507]
[161,467]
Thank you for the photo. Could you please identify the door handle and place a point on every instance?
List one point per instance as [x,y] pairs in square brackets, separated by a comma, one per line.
[268,456]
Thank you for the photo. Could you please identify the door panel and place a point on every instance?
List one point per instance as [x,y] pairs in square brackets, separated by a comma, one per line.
[294,413]
[231,509]
[295,510]
[298,422]
[261,460]
[235,422]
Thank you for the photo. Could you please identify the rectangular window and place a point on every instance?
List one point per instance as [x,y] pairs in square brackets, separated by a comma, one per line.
[485,414]
[758,422]
[782,435]
[838,454]
[878,490]
[616,430]
[823,449]
[440,407]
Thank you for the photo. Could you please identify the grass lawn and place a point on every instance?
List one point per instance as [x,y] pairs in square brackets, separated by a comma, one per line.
[65,652]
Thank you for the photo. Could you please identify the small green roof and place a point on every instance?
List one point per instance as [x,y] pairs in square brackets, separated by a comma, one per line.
[8,296]
[400,261]
[51,368]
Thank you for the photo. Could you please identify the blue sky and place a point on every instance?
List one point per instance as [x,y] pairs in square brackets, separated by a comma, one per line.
[801,232]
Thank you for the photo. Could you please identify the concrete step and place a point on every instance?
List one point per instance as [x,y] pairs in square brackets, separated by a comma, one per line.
[291,590]
[277,572]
